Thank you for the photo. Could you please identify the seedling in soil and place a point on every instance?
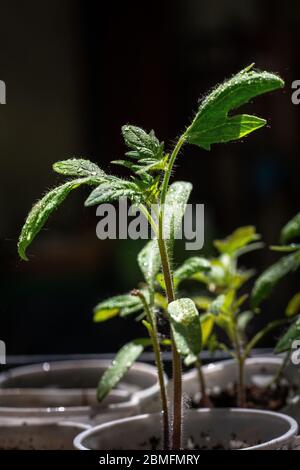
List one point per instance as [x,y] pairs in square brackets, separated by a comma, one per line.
[269,279]
[224,306]
[151,169]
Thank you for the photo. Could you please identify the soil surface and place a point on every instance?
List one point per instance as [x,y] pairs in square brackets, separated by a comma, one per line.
[268,398]
[234,444]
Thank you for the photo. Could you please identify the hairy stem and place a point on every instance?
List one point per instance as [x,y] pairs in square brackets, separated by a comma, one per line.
[176,360]
[166,180]
[204,397]
[159,364]
[165,262]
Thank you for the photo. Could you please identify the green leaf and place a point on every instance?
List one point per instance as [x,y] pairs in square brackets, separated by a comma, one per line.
[174,208]
[190,267]
[222,309]
[149,262]
[286,341]
[240,301]
[243,320]
[120,304]
[215,277]
[145,149]
[207,321]
[285,248]
[213,344]
[217,304]
[248,248]
[185,324]
[240,277]
[127,355]
[104,314]
[145,342]
[113,190]
[160,301]
[42,210]
[291,229]
[202,302]
[142,145]
[229,302]
[268,280]
[293,307]
[78,167]
[237,240]
[212,123]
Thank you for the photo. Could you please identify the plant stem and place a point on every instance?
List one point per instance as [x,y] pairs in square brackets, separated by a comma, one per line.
[205,398]
[176,360]
[241,402]
[165,183]
[241,398]
[252,343]
[159,364]
[241,356]
[165,262]
[177,398]
[278,375]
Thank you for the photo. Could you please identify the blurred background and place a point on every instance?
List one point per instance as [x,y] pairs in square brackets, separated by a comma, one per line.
[75,71]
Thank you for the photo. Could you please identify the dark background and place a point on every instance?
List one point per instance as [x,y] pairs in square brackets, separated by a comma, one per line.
[76,71]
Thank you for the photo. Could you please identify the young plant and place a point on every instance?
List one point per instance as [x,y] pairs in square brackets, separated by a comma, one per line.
[224,304]
[149,185]
[270,278]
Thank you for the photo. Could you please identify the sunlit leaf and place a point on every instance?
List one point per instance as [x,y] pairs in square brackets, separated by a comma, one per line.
[185,324]
[216,276]
[202,302]
[149,262]
[190,267]
[78,167]
[207,321]
[285,248]
[240,277]
[146,151]
[217,304]
[237,240]
[160,301]
[127,355]
[291,229]
[240,301]
[174,208]
[293,307]
[119,305]
[113,190]
[142,144]
[248,248]
[213,124]
[268,280]
[292,334]
[42,210]
[243,320]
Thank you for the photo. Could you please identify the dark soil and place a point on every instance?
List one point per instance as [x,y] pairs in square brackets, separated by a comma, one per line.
[268,398]
[234,444]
